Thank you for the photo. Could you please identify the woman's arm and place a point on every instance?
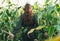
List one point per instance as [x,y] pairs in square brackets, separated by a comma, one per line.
[19,25]
[35,21]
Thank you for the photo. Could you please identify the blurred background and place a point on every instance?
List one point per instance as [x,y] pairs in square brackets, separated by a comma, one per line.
[48,16]
[4,3]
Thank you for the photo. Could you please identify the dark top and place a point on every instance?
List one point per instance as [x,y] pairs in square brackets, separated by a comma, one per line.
[22,24]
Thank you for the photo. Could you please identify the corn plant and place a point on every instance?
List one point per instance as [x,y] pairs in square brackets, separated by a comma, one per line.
[49,17]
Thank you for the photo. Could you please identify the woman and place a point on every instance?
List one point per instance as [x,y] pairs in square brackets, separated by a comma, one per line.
[27,20]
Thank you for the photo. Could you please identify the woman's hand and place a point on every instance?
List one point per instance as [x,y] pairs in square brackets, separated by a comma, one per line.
[35,40]
[46,35]
[11,36]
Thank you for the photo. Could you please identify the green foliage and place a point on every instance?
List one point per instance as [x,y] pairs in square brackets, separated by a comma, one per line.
[47,16]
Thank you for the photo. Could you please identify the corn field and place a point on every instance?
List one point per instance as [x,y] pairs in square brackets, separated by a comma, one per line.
[48,18]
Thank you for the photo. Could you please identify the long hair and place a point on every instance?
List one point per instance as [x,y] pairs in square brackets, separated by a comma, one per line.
[28,15]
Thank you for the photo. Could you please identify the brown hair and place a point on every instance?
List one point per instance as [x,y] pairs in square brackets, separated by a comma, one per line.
[28,16]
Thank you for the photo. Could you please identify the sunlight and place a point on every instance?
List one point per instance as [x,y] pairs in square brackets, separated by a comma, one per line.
[22,2]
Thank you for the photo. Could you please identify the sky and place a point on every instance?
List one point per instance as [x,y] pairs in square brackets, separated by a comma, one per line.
[22,2]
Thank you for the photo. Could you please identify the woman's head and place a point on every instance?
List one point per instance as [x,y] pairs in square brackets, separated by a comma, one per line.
[28,8]
[28,14]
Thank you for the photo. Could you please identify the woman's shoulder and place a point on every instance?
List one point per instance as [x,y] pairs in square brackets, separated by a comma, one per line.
[21,15]
[35,16]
